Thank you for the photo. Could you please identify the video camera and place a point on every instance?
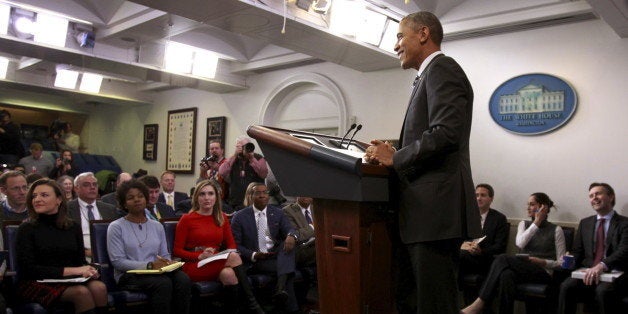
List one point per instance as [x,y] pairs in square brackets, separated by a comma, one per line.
[211,158]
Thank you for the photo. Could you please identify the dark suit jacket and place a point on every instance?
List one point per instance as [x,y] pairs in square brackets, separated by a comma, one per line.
[164,210]
[110,199]
[107,211]
[244,229]
[432,162]
[178,196]
[496,232]
[616,243]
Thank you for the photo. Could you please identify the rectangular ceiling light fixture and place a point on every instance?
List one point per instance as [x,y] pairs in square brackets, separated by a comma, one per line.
[90,82]
[178,57]
[4,66]
[389,40]
[66,79]
[51,29]
[5,15]
[372,27]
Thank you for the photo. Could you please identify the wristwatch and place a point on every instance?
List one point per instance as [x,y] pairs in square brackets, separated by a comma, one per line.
[149,265]
[294,235]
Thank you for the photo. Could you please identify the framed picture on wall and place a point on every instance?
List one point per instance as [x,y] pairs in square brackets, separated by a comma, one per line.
[149,151]
[181,138]
[216,127]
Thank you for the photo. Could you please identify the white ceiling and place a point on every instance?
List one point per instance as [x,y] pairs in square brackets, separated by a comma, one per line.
[130,38]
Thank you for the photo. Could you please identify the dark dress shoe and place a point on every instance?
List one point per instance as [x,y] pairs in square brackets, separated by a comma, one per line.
[280,297]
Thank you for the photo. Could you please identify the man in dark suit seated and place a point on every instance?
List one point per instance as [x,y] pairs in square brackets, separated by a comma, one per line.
[476,256]
[156,210]
[600,245]
[266,241]
[111,197]
[85,207]
[169,196]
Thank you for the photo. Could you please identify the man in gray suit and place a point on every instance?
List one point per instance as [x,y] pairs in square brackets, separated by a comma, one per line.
[301,216]
[437,207]
[85,207]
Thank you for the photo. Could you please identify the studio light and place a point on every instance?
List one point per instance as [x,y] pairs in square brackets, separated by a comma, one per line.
[4,66]
[5,16]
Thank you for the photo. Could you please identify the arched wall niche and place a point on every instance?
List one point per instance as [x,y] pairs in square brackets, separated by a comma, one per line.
[307,101]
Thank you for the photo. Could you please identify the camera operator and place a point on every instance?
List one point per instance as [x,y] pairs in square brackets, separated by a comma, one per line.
[63,166]
[242,168]
[61,132]
[210,165]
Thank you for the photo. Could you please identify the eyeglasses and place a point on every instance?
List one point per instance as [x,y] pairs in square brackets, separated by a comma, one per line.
[19,188]
[89,184]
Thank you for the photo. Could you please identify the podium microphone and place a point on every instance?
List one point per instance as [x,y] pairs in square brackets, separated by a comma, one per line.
[354,133]
[348,131]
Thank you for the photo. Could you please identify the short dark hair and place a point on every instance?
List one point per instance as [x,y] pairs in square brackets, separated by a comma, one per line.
[32,177]
[488,187]
[150,181]
[425,18]
[609,189]
[543,199]
[216,141]
[124,188]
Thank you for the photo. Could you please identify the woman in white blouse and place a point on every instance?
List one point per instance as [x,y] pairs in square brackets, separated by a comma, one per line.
[541,245]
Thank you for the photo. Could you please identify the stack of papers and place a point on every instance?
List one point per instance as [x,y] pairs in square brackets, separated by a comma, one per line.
[165,269]
[606,277]
[218,256]
[66,280]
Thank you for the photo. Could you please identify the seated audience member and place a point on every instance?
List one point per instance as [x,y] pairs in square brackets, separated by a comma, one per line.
[241,169]
[543,244]
[301,216]
[266,240]
[136,242]
[202,233]
[13,185]
[85,207]
[169,196]
[476,258]
[600,245]
[63,166]
[11,148]
[66,183]
[111,197]
[50,246]
[156,210]
[20,168]
[31,178]
[36,162]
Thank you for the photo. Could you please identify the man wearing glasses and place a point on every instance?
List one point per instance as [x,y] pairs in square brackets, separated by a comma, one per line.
[85,207]
[13,185]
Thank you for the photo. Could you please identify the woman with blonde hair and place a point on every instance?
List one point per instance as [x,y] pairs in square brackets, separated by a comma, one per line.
[202,233]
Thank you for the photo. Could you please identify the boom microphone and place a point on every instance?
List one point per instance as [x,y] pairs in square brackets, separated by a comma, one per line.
[354,133]
[348,131]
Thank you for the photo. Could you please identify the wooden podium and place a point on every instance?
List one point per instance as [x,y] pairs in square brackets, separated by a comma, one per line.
[353,245]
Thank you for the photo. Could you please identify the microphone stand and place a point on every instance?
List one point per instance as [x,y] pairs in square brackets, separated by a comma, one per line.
[354,133]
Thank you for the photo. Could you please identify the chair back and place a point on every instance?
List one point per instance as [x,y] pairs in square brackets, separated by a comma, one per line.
[9,228]
[569,233]
[170,227]
[100,255]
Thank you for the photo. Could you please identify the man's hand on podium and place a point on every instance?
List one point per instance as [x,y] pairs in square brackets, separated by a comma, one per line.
[380,153]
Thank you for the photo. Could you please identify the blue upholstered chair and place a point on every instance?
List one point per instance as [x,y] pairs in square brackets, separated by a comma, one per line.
[201,291]
[10,238]
[120,299]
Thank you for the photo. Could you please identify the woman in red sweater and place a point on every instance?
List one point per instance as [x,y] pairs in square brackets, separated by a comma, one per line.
[202,233]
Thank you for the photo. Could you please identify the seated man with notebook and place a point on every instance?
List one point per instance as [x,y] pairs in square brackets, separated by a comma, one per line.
[600,245]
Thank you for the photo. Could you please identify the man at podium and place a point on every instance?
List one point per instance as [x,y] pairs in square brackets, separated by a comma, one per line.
[437,207]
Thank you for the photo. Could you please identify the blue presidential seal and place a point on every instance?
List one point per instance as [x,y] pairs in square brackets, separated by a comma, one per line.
[533,104]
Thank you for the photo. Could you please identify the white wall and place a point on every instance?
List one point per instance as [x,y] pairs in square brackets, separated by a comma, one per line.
[590,147]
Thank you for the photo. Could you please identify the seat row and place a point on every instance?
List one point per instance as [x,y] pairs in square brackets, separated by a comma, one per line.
[123,301]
